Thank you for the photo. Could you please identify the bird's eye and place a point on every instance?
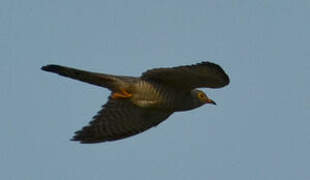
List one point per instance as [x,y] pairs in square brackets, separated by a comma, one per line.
[201,95]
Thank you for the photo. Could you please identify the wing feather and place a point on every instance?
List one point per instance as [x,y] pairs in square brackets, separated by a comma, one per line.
[119,119]
[204,74]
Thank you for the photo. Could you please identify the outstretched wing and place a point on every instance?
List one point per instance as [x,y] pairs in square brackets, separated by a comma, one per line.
[204,74]
[118,119]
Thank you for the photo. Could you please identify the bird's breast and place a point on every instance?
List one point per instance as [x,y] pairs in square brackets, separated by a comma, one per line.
[153,95]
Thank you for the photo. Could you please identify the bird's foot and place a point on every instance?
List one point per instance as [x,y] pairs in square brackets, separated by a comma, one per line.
[122,94]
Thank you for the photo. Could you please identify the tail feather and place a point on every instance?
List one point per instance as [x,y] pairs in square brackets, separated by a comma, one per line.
[98,79]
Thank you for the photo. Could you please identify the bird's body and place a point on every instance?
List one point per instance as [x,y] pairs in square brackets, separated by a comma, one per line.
[152,95]
[139,103]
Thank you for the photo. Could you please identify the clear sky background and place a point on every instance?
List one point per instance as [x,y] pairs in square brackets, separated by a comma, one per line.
[260,129]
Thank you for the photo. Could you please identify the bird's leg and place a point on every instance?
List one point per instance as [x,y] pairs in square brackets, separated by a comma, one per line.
[122,94]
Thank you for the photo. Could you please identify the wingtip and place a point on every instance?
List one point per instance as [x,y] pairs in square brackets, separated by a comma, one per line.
[76,140]
[82,138]
[86,141]
[226,79]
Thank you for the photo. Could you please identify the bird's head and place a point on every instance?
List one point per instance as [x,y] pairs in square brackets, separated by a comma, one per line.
[200,98]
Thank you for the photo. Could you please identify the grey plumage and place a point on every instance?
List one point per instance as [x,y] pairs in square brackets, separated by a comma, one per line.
[137,104]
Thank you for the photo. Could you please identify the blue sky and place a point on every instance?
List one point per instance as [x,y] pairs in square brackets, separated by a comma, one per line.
[258,130]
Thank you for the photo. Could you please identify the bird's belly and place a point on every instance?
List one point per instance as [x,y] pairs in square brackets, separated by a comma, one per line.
[148,95]
[146,103]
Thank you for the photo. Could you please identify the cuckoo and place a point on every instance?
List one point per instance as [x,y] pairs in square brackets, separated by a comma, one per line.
[139,103]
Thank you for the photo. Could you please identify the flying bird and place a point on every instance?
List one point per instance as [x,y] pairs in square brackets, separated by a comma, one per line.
[139,103]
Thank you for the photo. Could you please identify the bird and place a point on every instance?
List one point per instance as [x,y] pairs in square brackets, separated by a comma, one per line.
[137,104]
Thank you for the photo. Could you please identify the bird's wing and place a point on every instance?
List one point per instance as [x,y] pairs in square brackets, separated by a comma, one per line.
[204,74]
[118,119]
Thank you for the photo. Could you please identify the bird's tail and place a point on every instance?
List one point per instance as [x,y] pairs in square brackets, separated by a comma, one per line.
[98,79]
